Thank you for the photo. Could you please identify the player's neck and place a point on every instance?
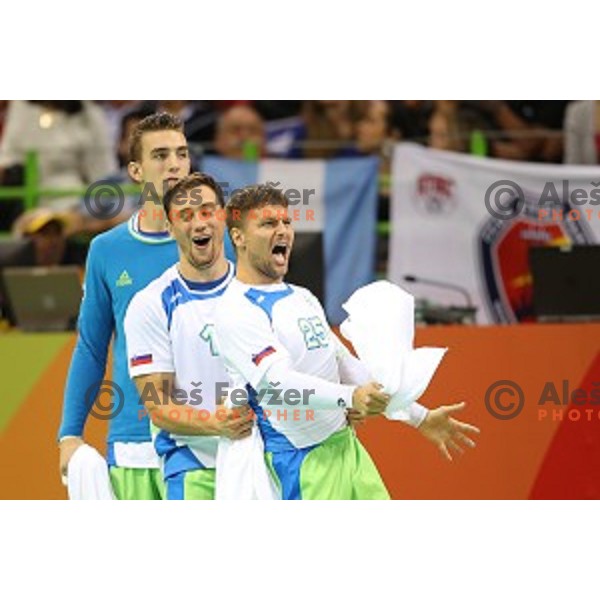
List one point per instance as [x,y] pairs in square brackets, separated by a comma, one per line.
[215,271]
[250,276]
[152,217]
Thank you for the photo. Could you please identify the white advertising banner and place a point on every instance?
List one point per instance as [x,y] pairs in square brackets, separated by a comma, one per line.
[462,226]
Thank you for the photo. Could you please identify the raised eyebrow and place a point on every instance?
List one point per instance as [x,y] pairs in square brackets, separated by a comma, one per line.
[166,149]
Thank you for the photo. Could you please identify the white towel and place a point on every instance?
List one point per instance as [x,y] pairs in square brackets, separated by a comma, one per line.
[242,473]
[87,476]
[381,327]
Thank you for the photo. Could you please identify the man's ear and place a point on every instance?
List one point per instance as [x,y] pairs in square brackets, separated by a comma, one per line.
[237,236]
[135,171]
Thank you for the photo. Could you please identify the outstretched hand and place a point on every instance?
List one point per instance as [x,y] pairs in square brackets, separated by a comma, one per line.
[446,432]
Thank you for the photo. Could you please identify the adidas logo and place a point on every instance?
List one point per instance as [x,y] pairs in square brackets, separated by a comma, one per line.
[124,279]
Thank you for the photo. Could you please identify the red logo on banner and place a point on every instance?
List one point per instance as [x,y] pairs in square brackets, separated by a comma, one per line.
[435,193]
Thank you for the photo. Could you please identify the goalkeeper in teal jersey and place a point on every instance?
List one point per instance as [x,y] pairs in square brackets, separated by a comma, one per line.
[121,262]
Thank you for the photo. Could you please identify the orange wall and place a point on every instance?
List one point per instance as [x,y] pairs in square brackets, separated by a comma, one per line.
[559,459]
[518,458]
[28,448]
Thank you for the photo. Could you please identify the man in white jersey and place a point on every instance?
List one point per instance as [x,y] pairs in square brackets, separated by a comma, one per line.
[171,349]
[301,380]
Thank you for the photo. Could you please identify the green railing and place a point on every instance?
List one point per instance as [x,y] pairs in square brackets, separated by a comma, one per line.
[28,191]
[31,192]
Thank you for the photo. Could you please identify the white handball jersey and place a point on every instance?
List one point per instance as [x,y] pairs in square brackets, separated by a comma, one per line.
[260,325]
[169,328]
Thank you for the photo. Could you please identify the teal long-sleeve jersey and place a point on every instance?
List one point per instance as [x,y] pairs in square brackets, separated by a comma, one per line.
[120,263]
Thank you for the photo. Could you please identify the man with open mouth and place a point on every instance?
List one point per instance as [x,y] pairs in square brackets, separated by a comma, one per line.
[173,357]
[274,337]
[276,343]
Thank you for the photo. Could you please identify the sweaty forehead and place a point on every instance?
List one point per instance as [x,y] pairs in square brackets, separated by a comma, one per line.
[198,196]
[170,139]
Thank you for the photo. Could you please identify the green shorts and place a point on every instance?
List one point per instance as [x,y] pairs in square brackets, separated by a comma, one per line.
[198,484]
[337,469]
[137,484]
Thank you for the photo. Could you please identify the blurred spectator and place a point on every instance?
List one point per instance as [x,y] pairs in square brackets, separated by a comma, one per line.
[330,127]
[325,129]
[375,128]
[48,231]
[582,133]
[237,127]
[447,129]
[70,138]
[544,116]
[531,128]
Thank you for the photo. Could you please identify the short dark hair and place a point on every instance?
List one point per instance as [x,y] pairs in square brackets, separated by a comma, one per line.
[155,122]
[191,182]
[249,198]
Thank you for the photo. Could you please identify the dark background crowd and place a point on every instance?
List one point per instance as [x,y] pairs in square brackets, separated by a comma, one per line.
[531,130]
[78,142]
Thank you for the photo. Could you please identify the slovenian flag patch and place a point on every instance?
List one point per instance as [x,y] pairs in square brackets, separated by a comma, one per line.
[141,359]
[256,358]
